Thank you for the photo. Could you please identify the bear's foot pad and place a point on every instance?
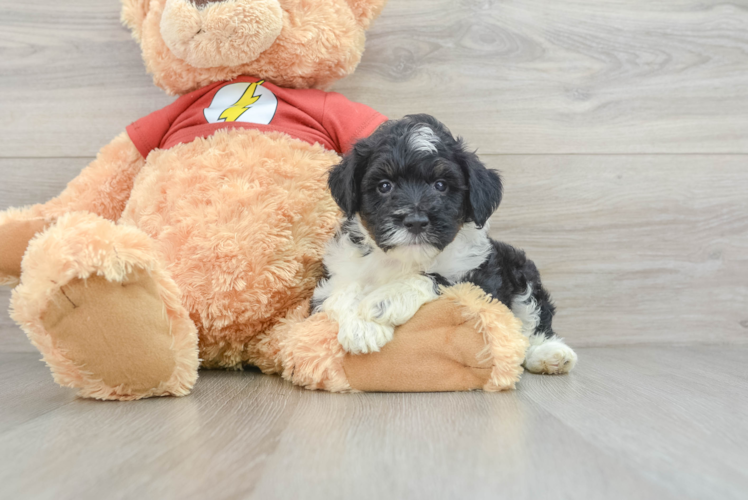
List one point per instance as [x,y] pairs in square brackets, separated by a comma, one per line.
[116,332]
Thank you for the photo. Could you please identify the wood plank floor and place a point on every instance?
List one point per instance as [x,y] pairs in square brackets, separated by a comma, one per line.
[632,422]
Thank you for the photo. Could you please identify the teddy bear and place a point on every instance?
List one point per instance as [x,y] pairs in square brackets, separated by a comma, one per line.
[195,238]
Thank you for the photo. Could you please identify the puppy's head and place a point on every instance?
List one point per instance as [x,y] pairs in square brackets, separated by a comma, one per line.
[412,183]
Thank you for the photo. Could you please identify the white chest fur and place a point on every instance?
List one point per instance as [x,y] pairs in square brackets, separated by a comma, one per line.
[371,291]
[371,267]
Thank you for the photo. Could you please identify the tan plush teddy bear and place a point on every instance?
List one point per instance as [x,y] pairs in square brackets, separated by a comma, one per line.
[195,237]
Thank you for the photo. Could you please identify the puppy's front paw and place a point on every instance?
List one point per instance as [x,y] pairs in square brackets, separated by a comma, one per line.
[359,336]
[551,357]
[397,303]
[376,308]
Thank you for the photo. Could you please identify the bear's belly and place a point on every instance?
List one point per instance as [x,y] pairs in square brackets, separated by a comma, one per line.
[242,219]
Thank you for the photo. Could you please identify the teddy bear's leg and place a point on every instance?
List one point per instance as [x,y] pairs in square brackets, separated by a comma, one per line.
[95,299]
[303,350]
[461,341]
[102,188]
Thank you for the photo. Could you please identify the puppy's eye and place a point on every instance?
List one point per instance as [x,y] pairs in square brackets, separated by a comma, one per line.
[384,187]
[440,186]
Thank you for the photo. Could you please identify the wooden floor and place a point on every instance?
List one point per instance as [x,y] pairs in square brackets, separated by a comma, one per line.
[635,422]
[621,129]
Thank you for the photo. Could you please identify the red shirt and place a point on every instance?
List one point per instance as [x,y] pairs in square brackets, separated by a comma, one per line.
[313,116]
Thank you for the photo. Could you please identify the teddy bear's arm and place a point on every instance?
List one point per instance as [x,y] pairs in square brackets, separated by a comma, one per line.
[102,188]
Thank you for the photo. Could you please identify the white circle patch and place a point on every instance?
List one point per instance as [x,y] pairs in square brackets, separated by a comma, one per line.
[242,102]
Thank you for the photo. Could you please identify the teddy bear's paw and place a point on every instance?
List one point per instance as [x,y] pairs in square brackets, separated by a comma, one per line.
[15,235]
[359,336]
[117,336]
[552,357]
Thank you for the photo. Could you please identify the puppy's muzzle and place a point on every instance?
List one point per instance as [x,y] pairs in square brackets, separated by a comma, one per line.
[416,223]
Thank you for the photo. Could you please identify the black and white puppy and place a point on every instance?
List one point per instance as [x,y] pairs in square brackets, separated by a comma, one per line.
[417,205]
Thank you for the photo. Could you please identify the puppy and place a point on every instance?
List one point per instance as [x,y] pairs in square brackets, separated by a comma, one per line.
[417,204]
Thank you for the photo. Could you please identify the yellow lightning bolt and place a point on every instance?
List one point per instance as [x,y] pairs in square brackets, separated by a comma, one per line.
[237,109]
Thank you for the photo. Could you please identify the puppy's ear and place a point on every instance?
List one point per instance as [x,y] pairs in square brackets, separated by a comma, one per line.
[345,178]
[484,186]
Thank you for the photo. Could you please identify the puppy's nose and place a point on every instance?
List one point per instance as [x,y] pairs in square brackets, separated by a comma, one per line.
[416,223]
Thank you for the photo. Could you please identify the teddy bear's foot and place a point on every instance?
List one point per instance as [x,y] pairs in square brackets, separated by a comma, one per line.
[115,333]
[462,341]
[95,300]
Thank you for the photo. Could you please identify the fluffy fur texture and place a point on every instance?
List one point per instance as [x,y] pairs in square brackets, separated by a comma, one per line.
[302,350]
[307,352]
[133,14]
[505,346]
[508,275]
[14,240]
[242,227]
[102,188]
[370,290]
[318,43]
[228,33]
[417,203]
[311,356]
[81,245]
